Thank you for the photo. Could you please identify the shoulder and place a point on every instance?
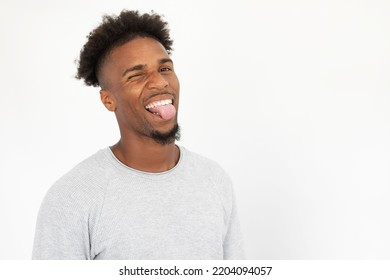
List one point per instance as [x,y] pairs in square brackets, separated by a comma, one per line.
[83,184]
[209,171]
[207,166]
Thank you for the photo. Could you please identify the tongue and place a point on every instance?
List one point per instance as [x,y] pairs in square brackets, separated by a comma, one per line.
[166,112]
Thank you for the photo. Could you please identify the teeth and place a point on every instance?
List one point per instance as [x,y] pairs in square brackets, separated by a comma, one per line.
[158,103]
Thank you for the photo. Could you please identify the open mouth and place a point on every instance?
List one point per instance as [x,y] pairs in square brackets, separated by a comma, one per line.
[162,108]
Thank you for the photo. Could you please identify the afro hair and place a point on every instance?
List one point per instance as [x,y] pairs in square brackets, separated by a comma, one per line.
[115,31]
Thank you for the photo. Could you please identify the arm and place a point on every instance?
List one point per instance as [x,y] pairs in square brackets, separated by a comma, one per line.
[233,247]
[62,227]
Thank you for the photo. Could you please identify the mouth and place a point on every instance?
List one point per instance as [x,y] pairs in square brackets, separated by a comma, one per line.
[162,108]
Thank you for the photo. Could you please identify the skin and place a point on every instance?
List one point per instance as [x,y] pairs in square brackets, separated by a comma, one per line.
[133,75]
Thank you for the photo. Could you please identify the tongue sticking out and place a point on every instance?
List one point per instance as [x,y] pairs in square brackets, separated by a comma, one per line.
[166,112]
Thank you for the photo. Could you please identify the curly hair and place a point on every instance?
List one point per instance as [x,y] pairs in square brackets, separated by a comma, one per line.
[115,31]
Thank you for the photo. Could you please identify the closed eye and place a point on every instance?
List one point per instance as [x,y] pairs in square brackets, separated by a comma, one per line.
[134,76]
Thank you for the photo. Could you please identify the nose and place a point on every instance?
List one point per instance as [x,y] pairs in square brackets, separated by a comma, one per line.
[157,81]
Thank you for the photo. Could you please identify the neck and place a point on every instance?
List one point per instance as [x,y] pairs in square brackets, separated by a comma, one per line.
[146,154]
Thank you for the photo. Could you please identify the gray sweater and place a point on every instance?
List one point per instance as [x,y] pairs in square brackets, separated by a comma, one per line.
[103,209]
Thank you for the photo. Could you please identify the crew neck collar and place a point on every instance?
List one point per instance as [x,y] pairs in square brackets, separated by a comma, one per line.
[127,169]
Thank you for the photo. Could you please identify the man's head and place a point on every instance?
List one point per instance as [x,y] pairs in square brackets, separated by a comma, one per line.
[115,31]
[128,57]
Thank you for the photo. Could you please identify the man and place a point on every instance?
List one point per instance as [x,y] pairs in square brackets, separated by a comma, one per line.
[144,197]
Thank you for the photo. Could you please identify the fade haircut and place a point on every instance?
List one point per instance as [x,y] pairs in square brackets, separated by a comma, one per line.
[115,31]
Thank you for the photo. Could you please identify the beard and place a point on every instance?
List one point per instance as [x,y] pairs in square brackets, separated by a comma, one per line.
[168,137]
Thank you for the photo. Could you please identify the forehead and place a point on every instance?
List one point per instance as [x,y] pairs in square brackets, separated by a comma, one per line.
[138,51]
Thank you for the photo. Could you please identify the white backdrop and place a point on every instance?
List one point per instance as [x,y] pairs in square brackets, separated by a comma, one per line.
[290,97]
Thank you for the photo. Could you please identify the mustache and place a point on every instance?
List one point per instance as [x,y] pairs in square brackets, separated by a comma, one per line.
[164,92]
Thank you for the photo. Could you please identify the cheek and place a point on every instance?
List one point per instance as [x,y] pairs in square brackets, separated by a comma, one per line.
[174,82]
[128,103]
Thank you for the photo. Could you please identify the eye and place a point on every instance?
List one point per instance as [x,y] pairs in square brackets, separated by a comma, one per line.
[165,69]
[134,76]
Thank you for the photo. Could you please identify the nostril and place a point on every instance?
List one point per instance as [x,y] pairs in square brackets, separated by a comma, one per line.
[158,83]
[157,80]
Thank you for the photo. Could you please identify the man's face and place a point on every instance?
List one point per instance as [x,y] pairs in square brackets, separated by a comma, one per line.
[137,79]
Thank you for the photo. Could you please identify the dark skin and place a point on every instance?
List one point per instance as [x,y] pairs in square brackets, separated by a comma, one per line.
[132,76]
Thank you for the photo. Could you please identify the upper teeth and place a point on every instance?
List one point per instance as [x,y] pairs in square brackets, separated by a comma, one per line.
[158,103]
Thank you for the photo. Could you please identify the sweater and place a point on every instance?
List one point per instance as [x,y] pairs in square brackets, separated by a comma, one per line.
[103,209]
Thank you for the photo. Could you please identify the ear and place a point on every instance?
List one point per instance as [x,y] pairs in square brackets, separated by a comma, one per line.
[108,100]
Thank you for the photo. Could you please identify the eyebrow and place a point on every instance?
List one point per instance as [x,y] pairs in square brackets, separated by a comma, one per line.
[142,66]
[165,60]
[134,68]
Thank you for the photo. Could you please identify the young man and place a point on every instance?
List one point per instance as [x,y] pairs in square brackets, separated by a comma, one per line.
[144,197]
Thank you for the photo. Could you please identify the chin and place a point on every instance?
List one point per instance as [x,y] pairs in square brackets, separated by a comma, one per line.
[167,137]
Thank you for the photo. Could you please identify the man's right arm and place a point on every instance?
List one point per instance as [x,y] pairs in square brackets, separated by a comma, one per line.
[62,227]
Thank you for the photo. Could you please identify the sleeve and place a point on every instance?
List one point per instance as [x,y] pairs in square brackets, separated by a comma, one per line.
[233,246]
[62,227]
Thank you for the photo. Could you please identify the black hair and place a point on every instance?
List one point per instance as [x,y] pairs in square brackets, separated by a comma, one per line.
[115,31]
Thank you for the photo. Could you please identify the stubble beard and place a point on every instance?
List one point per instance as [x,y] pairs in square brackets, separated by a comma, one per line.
[165,138]
[162,138]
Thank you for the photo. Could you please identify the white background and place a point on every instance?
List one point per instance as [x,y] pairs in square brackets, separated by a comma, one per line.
[292,98]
